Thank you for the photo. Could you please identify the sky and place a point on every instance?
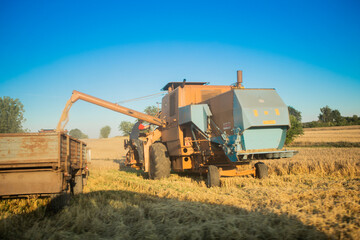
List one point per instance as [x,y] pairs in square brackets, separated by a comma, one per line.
[308,51]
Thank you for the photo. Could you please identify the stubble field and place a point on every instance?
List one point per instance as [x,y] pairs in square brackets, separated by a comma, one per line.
[315,195]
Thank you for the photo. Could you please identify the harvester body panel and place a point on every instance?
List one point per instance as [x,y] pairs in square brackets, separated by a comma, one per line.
[196,114]
[263,118]
[174,133]
[249,120]
[259,108]
[263,138]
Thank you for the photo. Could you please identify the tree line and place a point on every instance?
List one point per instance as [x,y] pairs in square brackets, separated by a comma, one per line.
[329,117]
[12,119]
[77,133]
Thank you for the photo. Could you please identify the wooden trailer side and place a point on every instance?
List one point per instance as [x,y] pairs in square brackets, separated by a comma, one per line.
[39,163]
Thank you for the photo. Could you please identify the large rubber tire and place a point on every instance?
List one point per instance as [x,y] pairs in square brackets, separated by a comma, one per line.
[213,177]
[261,170]
[78,184]
[159,165]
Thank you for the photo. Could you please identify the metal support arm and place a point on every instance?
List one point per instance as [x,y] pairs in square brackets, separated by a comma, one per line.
[109,105]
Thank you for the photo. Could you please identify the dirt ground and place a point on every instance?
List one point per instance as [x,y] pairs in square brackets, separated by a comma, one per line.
[106,148]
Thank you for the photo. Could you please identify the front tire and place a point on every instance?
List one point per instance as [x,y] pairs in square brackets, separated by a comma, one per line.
[261,170]
[159,165]
[213,177]
[78,184]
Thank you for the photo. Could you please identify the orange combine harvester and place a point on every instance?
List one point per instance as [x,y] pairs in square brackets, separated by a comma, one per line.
[217,130]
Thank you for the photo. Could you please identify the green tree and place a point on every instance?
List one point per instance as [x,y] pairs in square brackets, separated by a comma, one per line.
[105,131]
[11,115]
[77,133]
[325,114]
[294,131]
[331,117]
[336,117]
[151,110]
[295,113]
[296,126]
[125,127]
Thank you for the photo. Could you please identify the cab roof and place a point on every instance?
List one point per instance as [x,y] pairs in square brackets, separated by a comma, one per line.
[174,85]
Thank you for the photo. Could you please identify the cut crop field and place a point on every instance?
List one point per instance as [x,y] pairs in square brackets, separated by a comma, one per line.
[348,136]
[314,195]
[106,148]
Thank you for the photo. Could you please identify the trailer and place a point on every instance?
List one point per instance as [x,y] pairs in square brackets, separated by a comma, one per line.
[44,164]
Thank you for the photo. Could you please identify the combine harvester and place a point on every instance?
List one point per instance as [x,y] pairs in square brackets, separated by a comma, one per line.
[218,130]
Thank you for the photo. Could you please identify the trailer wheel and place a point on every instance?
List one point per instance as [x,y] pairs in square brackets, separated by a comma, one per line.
[213,177]
[78,184]
[159,165]
[261,170]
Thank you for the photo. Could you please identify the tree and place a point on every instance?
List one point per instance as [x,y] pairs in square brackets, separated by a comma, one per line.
[126,127]
[151,110]
[76,133]
[11,115]
[295,130]
[336,117]
[325,114]
[105,131]
[296,126]
[331,117]
[295,113]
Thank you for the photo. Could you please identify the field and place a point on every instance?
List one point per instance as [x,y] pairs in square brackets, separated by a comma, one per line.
[330,136]
[315,195]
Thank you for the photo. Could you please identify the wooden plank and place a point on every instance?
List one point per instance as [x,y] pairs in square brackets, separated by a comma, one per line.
[28,148]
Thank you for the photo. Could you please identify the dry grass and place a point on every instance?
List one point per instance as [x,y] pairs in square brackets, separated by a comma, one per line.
[330,134]
[336,162]
[315,195]
[106,148]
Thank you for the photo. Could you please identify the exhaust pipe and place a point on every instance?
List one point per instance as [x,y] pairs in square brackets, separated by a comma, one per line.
[239,79]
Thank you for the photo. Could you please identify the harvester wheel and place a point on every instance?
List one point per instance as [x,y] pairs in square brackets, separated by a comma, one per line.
[159,165]
[78,184]
[213,177]
[261,170]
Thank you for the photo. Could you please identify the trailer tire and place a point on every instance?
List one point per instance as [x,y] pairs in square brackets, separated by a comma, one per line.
[213,177]
[78,184]
[159,161]
[261,170]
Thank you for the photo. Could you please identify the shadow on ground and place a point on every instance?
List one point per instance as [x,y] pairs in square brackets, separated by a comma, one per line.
[131,215]
[122,167]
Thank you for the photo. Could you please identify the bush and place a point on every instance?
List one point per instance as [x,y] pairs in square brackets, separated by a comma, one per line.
[76,133]
[105,131]
[294,131]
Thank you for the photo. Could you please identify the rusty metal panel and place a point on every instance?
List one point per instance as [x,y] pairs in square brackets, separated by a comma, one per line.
[221,107]
[30,182]
[196,94]
[34,163]
[170,113]
[72,151]
[174,148]
[28,148]
[182,96]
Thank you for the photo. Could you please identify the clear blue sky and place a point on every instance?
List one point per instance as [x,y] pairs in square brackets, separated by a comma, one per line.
[117,50]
